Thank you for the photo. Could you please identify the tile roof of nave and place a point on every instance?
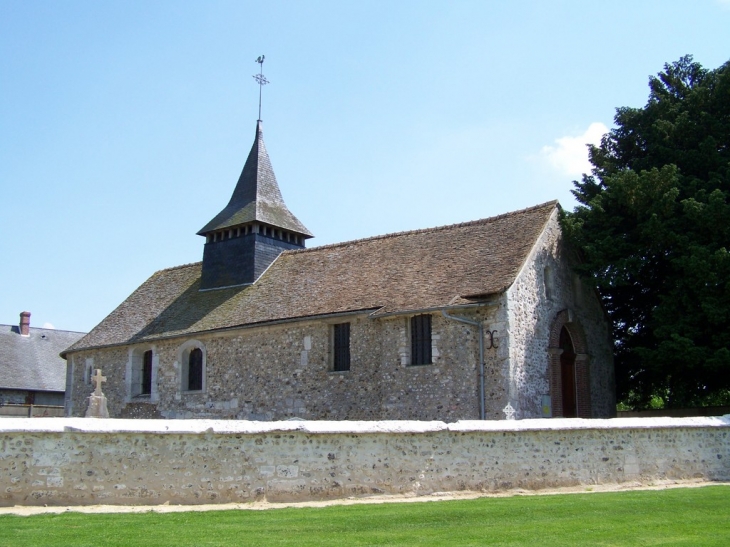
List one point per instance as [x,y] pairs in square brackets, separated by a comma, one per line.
[401,272]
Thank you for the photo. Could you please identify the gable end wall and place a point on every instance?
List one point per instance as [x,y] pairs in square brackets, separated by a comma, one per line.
[536,302]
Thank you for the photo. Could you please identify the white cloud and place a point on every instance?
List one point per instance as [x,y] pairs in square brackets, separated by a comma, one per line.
[48,326]
[570,154]
[724,4]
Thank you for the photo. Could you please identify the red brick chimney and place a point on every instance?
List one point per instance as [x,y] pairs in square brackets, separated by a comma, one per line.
[25,323]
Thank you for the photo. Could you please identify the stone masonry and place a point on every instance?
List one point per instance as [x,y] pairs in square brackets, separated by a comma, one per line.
[80,461]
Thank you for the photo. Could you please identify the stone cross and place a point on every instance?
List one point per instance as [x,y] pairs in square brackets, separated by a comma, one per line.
[509,412]
[97,378]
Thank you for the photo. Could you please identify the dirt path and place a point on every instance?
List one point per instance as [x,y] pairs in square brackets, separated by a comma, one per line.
[24,510]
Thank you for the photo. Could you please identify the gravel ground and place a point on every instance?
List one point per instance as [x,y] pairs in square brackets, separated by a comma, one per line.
[24,510]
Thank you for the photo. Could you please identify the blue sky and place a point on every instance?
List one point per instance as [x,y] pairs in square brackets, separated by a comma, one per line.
[124,125]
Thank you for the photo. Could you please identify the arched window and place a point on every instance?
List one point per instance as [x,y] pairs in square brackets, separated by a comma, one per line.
[195,370]
[142,364]
[146,373]
[192,360]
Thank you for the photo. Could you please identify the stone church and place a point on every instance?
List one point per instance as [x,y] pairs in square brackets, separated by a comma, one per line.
[479,320]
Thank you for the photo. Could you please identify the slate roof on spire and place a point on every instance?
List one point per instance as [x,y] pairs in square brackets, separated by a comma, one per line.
[257,197]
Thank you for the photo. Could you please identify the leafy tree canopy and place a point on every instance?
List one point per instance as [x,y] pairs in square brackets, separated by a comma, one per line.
[653,230]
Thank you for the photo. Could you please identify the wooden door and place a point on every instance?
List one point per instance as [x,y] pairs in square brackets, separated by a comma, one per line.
[567,375]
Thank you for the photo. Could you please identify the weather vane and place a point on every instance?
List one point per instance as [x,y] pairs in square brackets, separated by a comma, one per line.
[261,79]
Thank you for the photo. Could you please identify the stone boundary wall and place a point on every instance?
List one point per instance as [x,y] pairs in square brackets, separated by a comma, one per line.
[78,461]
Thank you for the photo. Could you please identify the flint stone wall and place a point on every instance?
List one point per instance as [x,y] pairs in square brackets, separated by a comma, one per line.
[285,371]
[72,461]
[547,286]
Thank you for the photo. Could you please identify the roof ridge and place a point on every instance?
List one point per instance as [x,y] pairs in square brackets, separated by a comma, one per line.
[425,230]
[60,330]
[178,267]
[44,328]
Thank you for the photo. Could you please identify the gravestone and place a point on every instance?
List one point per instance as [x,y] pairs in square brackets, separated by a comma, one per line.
[97,400]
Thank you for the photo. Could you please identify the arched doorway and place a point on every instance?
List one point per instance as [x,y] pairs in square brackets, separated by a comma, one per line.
[568,368]
[567,375]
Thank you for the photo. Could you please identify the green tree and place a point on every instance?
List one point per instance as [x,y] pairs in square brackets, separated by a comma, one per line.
[653,231]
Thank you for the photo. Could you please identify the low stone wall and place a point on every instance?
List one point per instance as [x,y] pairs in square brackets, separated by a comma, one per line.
[77,461]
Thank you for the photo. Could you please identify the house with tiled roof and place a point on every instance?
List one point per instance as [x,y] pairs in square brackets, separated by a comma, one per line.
[478,320]
[31,370]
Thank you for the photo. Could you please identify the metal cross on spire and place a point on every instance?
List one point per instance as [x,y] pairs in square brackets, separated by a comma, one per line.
[261,79]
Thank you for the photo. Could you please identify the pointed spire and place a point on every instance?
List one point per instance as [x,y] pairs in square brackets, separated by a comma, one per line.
[257,197]
[253,229]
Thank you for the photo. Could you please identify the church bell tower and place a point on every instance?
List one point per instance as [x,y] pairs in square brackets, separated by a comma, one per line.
[253,229]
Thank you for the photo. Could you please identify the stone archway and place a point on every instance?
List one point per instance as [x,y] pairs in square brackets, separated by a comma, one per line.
[567,352]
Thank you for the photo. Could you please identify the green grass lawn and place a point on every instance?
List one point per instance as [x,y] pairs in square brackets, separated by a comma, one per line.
[682,516]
